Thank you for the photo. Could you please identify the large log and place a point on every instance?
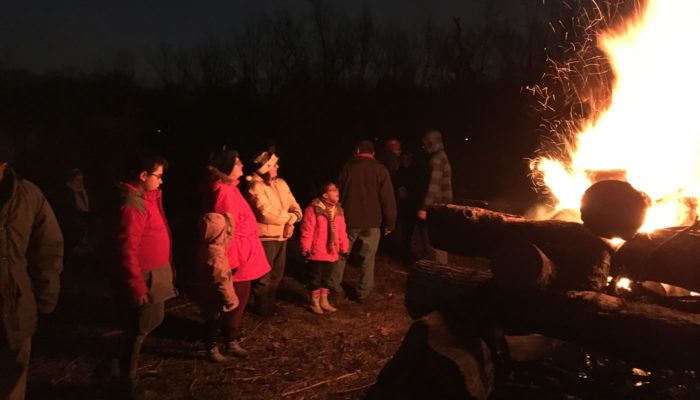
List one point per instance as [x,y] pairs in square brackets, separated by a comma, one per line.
[581,258]
[431,286]
[667,255]
[437,361]
[648,334]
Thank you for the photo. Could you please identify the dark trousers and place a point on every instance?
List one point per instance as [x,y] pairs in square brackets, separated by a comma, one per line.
[265,288]
[243,292]
[139,322]
[224,324]
[228,323]
[369,241]
[14,364]
[320,274]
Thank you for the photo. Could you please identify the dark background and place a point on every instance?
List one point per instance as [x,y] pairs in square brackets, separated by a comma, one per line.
[83,85]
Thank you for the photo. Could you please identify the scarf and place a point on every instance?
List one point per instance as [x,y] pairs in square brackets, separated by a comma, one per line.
[330,212]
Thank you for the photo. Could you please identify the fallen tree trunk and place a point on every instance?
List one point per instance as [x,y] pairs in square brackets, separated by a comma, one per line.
[645,333]
[581,258]
[431,286]
[667,255]
[521,267]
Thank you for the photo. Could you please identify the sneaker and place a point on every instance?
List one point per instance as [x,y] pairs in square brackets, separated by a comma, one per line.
[214,355]
[233,348]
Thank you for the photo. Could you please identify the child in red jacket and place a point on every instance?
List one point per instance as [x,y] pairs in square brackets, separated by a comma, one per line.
[323,239]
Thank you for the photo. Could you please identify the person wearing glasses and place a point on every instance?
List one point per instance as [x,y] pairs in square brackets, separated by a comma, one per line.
[144,261]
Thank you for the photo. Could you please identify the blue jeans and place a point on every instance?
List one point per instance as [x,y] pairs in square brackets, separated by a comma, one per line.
[369,241]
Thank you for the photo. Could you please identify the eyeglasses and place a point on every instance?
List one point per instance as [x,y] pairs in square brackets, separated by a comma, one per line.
[159,176]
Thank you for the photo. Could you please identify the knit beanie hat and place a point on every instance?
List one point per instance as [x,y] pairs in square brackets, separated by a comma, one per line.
[264,162]
[223,160]
[7,149]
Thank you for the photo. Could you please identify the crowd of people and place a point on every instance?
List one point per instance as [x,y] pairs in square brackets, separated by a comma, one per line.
[242,249]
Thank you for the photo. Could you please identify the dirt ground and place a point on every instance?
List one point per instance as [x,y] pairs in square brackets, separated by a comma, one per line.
[294,354]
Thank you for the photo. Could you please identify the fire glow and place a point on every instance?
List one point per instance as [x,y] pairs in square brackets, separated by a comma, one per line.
[650,130]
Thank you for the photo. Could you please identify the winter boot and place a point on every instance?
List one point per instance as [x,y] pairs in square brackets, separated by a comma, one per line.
[315,299]
[214,355]
[325,305]
[234,348]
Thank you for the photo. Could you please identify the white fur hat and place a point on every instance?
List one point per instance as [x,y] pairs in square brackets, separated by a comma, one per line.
[264,162]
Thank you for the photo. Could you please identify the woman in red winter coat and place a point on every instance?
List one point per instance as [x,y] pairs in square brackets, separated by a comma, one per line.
[323,240]
[245,252]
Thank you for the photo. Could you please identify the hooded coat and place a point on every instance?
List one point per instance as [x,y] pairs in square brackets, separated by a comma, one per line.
[439,188]
[245,252]
[213,276]
[31,258]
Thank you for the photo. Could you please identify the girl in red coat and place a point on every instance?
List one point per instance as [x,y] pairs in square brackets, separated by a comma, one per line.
[323,240]
[245,252]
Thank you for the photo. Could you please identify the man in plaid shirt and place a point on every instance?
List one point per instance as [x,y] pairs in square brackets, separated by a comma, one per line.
[439,188]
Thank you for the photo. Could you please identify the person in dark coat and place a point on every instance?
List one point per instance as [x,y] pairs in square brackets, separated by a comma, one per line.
[31,261]
[72,206]
[367,197]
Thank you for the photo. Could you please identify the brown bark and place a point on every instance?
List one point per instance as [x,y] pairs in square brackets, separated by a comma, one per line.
[437,360]
[649,334]
[582,258]
[431,286]
[522,267]
[667,255]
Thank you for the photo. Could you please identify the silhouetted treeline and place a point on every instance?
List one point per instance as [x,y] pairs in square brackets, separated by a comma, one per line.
[311,85]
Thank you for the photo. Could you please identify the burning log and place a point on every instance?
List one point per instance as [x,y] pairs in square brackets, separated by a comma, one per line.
[669,255]
[576,258]
[613,208]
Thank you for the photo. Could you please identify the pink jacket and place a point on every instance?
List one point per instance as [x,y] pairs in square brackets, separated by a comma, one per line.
[314,233]
[143,236]
[245,252]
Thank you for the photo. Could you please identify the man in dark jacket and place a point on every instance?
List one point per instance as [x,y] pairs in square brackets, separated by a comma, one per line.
[31,260]
[367,196]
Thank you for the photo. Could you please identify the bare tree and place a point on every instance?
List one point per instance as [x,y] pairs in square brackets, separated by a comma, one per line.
[215,63]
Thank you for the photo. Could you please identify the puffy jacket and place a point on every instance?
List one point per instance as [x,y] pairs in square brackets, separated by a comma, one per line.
[213,275]
[314,232]
[274,206]
[245,252]
[31,258]
[144,244]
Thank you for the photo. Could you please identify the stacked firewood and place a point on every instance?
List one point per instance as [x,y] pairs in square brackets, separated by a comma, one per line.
[548,284]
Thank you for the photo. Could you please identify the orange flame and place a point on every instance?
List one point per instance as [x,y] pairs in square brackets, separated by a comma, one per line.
[650,129]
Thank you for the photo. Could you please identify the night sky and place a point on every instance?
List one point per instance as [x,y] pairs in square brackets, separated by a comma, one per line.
[46,35]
